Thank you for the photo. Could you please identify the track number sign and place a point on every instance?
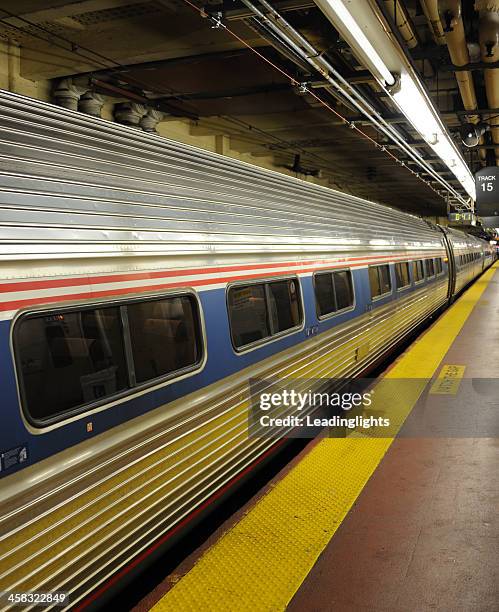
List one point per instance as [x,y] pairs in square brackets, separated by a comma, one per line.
[487,190]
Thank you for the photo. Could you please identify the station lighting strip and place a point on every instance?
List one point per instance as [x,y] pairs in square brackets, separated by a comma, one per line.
[304,49]
[404,87]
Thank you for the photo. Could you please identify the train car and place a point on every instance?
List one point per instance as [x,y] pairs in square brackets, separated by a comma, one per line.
[489,255]
[468,253]
[143,283]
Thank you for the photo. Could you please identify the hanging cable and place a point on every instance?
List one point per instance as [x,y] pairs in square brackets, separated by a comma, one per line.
[345,121]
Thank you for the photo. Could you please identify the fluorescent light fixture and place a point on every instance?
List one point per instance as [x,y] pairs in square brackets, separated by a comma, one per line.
[418,110]
[355,37]
[407,94]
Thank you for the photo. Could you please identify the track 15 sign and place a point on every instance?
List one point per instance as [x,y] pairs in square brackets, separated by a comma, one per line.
[487,190]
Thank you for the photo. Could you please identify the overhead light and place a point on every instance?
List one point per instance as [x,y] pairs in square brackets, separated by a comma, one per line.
[472,132]
[355,37]
[418,110]
[406,90]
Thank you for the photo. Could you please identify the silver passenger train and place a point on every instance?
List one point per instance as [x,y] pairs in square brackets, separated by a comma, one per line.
[143,283]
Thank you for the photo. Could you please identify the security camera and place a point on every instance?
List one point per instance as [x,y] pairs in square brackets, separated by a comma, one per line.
[472,132]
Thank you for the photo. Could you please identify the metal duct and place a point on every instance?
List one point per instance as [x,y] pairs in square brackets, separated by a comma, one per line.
[430,9]
[452,19]
[489,48]
[150,120]
[91,103]
[399,16]
[129,113]
[451,16]
[67,94]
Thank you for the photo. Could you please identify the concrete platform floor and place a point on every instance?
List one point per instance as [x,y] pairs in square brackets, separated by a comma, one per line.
[424,533]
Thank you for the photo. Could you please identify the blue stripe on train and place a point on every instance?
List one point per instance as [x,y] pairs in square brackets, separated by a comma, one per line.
[222,361]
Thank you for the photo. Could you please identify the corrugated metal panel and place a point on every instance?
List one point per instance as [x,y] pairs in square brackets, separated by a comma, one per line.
[86,180]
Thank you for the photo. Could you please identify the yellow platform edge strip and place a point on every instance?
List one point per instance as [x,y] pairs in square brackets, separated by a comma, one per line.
[260,562]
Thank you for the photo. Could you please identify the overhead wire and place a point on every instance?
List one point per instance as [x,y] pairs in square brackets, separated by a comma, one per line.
[219,24]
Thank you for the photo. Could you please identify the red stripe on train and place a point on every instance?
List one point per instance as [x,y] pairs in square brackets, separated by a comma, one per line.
[116,278]
[15,304]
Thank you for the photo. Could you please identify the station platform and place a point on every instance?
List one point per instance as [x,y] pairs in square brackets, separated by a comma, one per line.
[380,524]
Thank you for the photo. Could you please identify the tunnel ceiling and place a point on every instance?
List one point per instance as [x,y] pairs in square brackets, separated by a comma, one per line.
[167,52]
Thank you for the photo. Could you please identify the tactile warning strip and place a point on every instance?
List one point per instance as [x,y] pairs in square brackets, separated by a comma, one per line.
[261,561]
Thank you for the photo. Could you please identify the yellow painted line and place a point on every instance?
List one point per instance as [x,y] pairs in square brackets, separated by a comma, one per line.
[448,380]
[262,560]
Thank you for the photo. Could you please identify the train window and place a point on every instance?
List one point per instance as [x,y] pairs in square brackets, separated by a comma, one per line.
[379,280]
[343,288]
[402,274]
[333,291]
[418,270]
[164,336]
[438,265]
[262,310]
[324,294]
[430,268]
[283,305]
[69,359]
[248,314]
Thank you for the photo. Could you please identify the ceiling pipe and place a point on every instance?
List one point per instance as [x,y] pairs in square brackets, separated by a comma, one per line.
[450,12]
[68,93]
[91,103]
[399,16]
[430,9]
[489,48]
[150,120]
[129,113]
[300,45]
